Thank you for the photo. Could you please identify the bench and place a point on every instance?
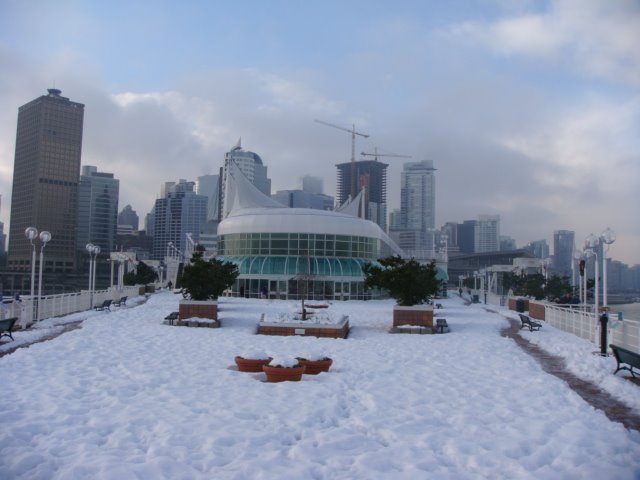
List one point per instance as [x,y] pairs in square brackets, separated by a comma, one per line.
[441,325]
[625,356]
[172,317]
[119,303]
[530,324]
[6,325]
[104,307]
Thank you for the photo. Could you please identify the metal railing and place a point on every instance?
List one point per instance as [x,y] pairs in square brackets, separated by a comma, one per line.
[585,323]
[29,310]
[574,320]
[625,333]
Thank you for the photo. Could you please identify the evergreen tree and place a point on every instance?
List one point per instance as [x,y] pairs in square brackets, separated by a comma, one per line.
[407,281]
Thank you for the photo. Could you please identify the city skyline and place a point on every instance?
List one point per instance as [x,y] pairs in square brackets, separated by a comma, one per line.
[530,110]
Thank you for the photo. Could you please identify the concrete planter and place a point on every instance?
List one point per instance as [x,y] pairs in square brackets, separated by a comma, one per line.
[420,315]
[198,309]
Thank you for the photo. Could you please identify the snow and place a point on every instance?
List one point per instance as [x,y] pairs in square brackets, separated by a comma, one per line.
[283,361]
[128,397]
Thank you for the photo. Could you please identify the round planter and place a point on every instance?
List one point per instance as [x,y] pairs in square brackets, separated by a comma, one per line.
[314,367]
[283,374]
[251,364]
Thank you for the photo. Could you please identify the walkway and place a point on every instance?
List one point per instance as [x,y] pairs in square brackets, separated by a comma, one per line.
[65,328]
[615,410]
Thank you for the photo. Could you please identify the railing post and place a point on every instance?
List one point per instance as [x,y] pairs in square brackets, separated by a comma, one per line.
[604,318]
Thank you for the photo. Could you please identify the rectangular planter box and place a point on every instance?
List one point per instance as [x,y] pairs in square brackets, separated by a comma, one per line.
[536,310]
[305,329]
[198,309]
[421,315]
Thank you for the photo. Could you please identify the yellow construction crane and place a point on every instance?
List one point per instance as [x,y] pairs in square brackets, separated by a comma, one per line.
[375,155]
[353,133]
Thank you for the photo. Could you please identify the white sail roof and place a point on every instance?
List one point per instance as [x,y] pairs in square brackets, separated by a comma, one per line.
[241,193]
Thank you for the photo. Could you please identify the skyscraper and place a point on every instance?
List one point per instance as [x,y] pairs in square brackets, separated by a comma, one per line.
[312,184]
[250,165]
[487,234]
[538,248]
[97,209]
[182,211]
[418,200]
[563,242]
[372,175]
[128,216]
[45,180]
[466,236]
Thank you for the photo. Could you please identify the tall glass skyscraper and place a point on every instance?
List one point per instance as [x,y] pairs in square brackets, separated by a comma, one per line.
[97,209]
[563,242]
[418,202]
[46,173]
[182,211]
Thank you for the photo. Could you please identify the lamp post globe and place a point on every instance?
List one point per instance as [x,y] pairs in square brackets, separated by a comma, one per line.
[31,233]
[608,236]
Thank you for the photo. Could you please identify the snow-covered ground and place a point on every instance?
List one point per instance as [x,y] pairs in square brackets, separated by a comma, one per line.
[127,397]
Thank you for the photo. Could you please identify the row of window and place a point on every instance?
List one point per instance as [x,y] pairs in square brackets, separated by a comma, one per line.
[301,244]
[298,266]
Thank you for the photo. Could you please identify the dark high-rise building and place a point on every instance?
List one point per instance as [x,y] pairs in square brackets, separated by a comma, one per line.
[466,236]
[46,173]
[128,216]
[372,175]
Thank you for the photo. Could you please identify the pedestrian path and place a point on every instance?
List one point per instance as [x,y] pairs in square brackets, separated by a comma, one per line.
[615,410]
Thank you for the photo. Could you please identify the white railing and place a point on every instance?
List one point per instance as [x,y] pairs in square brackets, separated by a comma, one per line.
[56,305]
[582,324]
[625,333]
[587,325]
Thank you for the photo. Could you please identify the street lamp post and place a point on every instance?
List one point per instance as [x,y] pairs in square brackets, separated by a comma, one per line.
[577,256]
[93,251]
[591,244]
[607,237]
[45,237]
[32,233]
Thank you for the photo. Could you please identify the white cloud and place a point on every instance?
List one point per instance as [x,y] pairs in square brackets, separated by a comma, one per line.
[599,38]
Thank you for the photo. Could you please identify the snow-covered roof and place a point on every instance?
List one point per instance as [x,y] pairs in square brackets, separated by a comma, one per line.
[298,220]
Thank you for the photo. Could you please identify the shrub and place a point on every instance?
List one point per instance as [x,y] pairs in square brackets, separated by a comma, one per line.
[206,280]
[407,281]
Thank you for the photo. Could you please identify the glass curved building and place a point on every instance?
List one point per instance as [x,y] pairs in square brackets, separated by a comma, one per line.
[288,252]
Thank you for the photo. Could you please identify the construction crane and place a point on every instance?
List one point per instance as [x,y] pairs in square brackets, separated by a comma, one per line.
[375,155]
[353,133]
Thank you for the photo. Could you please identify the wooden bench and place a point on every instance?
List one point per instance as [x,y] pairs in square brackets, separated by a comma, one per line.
[104,307]
[172,317]
[625,356]
[119,303]
[6,325]
[530,324]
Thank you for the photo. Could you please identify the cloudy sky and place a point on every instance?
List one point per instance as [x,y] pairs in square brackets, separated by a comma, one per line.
[529,110]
